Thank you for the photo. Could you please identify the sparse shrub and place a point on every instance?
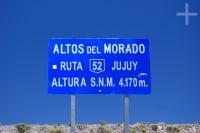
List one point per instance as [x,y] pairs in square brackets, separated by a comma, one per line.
[173,129]
[92,131]
[144,123]
[22,128]
[56,129]
[187,126]
[81,127]
[119,125]
[103,129]
[102,123]
[43,129]
[154,127]
[132,130]
[139,128]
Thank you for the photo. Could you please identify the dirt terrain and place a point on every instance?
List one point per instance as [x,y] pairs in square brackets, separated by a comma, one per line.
[102,127]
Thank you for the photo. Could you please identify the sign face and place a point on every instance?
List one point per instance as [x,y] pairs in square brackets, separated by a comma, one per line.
[99,66]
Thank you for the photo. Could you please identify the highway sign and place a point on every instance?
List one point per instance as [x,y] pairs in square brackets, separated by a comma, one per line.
[98,66]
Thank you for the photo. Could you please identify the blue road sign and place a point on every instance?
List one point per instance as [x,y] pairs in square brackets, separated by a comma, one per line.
[99,66]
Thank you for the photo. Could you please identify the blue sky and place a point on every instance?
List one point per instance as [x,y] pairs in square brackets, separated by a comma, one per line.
[26,26]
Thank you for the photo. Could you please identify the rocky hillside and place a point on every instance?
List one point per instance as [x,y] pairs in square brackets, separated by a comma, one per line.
[103,127]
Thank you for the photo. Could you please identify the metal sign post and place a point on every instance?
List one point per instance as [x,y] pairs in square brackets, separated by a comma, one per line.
[72,97]
[126,113]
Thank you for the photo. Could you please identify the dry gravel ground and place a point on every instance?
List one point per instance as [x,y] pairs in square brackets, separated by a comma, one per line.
[108,128]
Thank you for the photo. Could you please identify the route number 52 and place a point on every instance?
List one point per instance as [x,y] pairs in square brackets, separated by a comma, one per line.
[97,65]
